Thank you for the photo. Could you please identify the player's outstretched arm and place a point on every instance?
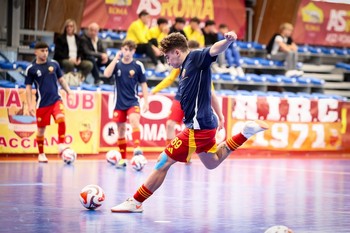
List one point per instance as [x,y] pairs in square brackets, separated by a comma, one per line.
[110,68]
[222,45]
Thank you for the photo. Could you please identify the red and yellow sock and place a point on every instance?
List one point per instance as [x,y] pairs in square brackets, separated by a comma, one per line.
[136,137]
[122,147]
[40,142]
[61,131]
[142,194]
[236,141]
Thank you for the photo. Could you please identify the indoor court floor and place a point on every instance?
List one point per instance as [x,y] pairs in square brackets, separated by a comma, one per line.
[241,195]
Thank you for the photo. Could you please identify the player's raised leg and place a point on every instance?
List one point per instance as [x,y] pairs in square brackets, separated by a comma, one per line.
[153,182]
[250,128]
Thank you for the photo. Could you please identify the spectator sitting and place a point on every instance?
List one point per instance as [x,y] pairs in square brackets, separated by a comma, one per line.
[210,33]
[232,56]
[94,51]
[68,51]
[211,37]
[137,32]
[193,31]
[281,47]
[158,32]
[178,26]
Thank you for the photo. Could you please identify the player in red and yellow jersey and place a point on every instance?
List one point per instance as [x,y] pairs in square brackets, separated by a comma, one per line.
[200,121]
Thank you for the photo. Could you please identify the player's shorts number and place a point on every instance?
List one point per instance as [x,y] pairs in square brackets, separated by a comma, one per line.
[176,143]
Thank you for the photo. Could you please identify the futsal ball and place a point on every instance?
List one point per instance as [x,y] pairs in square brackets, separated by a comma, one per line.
[278,229]
[113,156]
[69,156]
[92,196]
[138,162]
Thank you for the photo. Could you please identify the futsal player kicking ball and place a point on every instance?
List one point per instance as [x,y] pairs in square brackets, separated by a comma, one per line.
[201,123]
[128,74]
[45,73]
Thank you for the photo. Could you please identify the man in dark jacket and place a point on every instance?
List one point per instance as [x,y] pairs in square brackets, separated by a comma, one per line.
[93,51]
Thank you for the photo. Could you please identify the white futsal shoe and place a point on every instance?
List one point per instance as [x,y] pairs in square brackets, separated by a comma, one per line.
[253,127]
[128,206]
[42,158]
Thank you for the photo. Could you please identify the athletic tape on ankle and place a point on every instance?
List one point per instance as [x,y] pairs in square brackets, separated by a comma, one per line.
[162,160]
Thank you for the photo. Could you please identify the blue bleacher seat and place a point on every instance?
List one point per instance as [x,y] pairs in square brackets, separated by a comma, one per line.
[244,45]
[7,84]
[258,46]
[88,87]
[342,65]
[289,94]
[315,50]
[302,80]
[6,65]
[161,74]
[250,61]
[304,95]
[341,52]
[107,87]
[149,73]
[243,92]
[22,64]
[215,77]
[274,94]
[254,78]
[243,78]
[317,81]
[265,62]
[259,93]
[303,49]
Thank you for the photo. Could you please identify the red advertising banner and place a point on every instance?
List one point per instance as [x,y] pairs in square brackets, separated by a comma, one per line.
[118,15]
[322,23]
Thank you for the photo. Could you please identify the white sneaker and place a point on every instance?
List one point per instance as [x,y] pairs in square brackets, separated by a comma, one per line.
[253,127]
[128,206]
[240,72]
[294,73]
[233,71]
[160,68]
[121,164]
[42,158]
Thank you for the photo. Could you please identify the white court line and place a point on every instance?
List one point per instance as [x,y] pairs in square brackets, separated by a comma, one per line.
[26,184]
[162,221]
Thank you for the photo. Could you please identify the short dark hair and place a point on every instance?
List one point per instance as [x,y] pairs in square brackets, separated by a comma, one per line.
[209,22]
[130,44]
[180,20]
[223,26]
[143,13]
[195,20]
[172,41]
[162,21]
[41,45]
[193,44]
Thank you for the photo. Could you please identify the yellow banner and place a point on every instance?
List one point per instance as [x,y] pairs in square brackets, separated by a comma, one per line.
[18,129]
